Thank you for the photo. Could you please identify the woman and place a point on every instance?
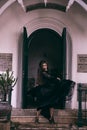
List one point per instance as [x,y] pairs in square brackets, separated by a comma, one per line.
[47,92]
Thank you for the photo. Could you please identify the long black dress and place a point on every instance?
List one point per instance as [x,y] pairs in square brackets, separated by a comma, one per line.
[51,92]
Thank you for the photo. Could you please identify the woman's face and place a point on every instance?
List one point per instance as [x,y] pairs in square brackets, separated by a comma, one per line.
[44,66]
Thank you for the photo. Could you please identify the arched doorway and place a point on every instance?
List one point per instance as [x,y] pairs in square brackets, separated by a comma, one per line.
[42,44]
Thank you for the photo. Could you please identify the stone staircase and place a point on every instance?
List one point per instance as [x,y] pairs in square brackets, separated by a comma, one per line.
[24,119]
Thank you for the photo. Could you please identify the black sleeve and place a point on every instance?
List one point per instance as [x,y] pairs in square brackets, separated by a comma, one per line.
[47,75]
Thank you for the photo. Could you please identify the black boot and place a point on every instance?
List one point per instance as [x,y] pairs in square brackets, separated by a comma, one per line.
[51,120]
[36,120]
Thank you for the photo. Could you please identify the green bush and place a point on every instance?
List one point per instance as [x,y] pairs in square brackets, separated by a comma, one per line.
[7,82]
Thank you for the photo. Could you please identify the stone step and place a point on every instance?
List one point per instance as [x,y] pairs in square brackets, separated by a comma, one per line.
[32,112]
[46,126]
[59,128]
[24,119]
[60,120]
[28,115]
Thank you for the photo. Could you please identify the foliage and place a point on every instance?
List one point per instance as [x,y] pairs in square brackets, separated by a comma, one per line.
[7,81]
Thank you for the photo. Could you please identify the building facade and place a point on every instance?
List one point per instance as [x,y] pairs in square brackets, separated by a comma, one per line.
[47,22]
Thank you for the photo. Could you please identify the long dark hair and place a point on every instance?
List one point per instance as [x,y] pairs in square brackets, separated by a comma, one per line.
[39,71]
[41,63]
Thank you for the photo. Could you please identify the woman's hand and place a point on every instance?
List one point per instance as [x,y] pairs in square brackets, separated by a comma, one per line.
[58,78]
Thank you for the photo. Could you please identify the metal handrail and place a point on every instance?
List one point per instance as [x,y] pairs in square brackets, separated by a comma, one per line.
[82,120]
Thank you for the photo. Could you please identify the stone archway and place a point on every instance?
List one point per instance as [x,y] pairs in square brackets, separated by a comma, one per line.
[57,26]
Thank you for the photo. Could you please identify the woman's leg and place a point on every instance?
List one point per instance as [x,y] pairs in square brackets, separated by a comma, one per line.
[51,120]
[37,116]
[51,112]
[38,113]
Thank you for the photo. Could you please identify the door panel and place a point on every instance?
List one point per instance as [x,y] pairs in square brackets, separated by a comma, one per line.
[24,67]
[64,52]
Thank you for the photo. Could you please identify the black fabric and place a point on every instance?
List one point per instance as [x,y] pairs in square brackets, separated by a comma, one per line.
[53,95]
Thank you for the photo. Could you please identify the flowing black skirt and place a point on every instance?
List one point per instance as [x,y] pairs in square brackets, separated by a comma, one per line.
[52,95]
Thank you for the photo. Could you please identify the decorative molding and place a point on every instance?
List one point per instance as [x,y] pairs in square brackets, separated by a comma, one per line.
[45,22]
[45,1]
[80,2]
[22,4]
[45,6]
[33,6]
[6,5]
[10,2]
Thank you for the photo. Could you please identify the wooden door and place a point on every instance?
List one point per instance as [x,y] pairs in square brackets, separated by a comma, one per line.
[24,67]
[64,52]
